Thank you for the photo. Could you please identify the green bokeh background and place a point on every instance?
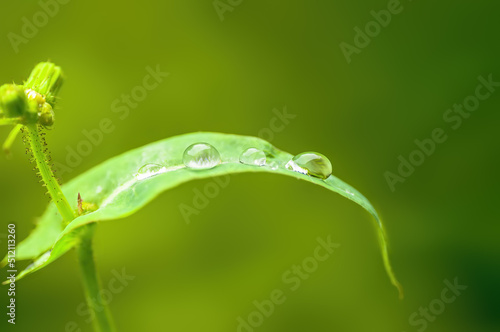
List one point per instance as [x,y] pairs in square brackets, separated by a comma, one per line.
[228,76]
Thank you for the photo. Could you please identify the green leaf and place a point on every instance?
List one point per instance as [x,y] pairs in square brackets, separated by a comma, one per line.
[117,191]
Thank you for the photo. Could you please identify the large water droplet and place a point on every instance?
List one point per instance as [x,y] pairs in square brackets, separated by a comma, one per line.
[149,170]
[201,156]
[253,156]
[311,163]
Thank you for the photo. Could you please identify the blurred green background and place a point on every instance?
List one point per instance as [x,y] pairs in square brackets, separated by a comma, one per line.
[227,76]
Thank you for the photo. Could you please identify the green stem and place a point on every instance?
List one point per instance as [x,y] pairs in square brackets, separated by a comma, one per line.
[103,321]
[9,121]
[11,138]
[46,79]
[48,178]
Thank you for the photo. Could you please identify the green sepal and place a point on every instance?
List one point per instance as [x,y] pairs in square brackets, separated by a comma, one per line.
[46,79]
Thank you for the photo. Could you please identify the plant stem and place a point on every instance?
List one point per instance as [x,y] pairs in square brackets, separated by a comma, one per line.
[9,121]
[48,178]
[46,79]
[102,317]
[103,321]
[11,138]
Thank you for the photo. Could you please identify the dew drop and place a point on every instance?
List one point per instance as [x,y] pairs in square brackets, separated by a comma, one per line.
[253,156]
[201,156]
[274,165]
[149,170]
[311,163]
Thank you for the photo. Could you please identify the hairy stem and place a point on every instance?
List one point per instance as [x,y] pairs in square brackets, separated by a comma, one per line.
[103,321]
[48,178]
[42,87]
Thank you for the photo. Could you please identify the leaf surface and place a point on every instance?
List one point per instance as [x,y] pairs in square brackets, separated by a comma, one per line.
[117,190]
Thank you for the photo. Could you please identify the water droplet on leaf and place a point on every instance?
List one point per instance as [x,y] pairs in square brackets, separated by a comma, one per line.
[274,165]
[149,170]
[311,163]
[201,156]
[253,156]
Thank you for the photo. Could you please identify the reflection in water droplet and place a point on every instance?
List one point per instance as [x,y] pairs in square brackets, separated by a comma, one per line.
[253,156]
[274,165]
[149,170]
[201,156]
[311,163]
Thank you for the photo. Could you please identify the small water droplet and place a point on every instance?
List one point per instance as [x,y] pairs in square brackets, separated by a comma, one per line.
[45,256]
[149,170]
[274,165]
[311,163]
[39,261]
[201,156]
[253,156]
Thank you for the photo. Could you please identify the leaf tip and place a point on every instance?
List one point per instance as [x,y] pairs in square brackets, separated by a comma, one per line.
[400,290]
[387,264]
